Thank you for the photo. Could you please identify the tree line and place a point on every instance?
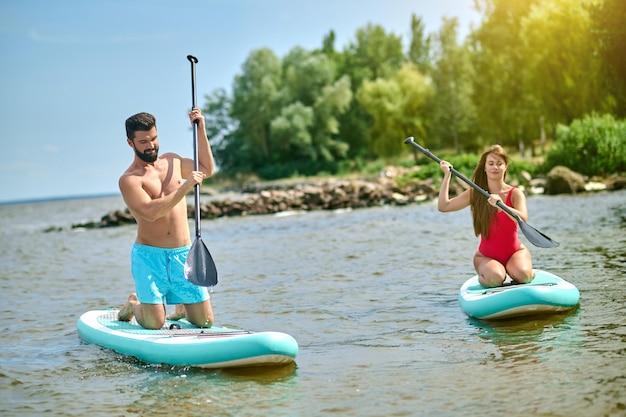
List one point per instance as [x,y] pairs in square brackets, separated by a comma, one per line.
[530,67]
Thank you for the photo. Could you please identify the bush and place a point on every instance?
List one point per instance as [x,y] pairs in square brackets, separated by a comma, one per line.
[595,145]
[516,167]
[297,168]
[464,163]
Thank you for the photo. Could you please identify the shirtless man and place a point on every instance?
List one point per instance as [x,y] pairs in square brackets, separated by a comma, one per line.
[154,189]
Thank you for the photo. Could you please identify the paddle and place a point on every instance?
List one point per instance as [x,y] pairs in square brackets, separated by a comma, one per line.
[533,235]
[199,268]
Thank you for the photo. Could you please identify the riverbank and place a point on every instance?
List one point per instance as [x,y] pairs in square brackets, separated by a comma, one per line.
[391,187]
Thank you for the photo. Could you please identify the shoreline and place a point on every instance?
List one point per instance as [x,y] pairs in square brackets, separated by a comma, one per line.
[262,198]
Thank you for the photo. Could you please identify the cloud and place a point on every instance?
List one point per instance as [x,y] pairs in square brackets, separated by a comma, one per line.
[64,39]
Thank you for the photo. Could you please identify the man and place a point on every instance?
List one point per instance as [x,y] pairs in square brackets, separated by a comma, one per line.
[154,189]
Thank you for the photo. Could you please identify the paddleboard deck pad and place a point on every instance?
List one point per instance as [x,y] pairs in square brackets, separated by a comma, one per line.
[182,343]
[547,293]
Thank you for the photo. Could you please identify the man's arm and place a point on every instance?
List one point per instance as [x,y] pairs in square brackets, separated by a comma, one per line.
[140,203]
[206,163]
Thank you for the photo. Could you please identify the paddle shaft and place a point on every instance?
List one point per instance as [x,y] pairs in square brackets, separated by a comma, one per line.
[196,165]
[199,266]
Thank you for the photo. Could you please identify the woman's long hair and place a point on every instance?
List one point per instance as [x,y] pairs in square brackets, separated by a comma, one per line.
[482,211]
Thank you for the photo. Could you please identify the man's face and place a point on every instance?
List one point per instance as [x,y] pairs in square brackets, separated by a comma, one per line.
[146,145]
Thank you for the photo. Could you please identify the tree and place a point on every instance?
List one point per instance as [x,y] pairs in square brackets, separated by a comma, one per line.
[220,125]
[504,107]
[420,45]
[333,101]
[309,82]
[283,115]
[563,68]
[374,54]
[290,132]
[257,99]
[397,105]
[609,34]
[453,111]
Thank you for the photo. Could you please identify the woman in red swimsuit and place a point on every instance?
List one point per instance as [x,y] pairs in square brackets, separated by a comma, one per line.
[500,251]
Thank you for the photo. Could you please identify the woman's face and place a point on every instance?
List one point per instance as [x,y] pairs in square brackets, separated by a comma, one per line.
[495,167]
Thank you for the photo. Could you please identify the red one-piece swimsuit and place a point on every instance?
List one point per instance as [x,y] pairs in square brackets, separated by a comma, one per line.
[503,241]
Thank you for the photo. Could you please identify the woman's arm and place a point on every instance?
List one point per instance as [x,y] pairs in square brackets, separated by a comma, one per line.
[445,203]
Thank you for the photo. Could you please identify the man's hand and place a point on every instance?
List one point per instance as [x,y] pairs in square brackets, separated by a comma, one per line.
[195,116]
[196,177]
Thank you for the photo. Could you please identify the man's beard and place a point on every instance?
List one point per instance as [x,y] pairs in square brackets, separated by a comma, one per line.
[149,158]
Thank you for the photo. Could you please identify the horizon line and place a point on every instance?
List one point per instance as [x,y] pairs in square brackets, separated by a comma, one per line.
[58,198]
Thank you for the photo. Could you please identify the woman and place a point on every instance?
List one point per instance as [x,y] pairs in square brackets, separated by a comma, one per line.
[500,251]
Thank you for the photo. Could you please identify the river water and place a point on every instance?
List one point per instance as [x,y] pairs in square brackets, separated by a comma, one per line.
[370,296]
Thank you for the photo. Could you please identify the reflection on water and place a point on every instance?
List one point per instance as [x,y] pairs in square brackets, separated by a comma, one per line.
[265,388]
[521,339]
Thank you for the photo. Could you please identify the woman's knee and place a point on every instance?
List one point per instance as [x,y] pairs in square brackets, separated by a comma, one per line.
[523,275]
[491,280]
[491,273]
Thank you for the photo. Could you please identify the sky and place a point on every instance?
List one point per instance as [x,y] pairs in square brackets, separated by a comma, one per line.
[72,72]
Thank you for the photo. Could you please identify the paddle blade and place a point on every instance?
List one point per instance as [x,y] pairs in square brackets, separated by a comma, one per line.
[200,268]
[535,237]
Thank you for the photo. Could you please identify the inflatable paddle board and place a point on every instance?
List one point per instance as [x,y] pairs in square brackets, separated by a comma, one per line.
[181,343]
[547,293]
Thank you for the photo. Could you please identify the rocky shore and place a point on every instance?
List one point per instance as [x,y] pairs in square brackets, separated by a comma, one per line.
[332,194]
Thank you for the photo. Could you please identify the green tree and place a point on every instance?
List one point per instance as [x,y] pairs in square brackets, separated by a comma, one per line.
[283,115]
[504,107]
[257,99]
[560,55]
[290,132]
[333,101]
[453,111]
[374,54]
[420,45]
[397,105]
[609,35]
[310,85]
[220,126]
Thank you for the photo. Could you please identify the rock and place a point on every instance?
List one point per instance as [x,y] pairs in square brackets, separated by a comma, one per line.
[595,186]
[616,182]
[526,177]
[399,199]
[537,182]
[562,180]
[111,219]
[536,186]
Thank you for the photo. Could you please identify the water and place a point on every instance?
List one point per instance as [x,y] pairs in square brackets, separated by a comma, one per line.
[369,294]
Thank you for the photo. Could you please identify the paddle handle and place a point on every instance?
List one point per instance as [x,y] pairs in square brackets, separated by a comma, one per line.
[193,60]
[462,177]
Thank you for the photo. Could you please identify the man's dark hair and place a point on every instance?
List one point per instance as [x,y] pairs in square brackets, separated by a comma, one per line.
[139,122]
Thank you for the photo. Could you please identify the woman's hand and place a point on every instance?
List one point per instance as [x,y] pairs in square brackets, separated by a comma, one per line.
[493,200]
[446,167]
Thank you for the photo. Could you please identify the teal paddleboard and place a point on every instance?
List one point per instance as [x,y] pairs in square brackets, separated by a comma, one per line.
[547,293]
[181,343]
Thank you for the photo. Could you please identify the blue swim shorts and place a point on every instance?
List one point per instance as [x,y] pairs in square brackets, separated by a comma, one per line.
[159,276]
